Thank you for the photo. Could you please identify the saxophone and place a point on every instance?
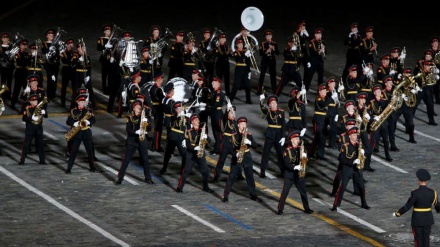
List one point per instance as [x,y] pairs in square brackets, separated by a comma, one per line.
[361,157]
[202,142]
[73,131]
[143,127]
[243,146]
[302,160]
[37,111]
[3,88]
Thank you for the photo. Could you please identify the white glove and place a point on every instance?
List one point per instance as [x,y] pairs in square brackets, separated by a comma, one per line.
[336,118]
[304,155]
[392,72]
[201,104]
[112,59]
[303,131]
[35,118]
[34,53]
[351,34]
[394,214]
[185,100]
[399,76]
[376,118]
[303,91]
[305,33]
[144,120]
[43,112]
[437,77]
[418,88]
[247,53]
[367,116]
[262,97]
[197,148]
[297,167]
[137,132]
[334,95]
[359,118]
[182,113]
[108,46]
[367,70]
[121,63]
[247,141]
[87,79]
[282,141]
[362,151]
[370,73]
[436,71]
[188,114]
[413,91]
[309,65]
[184,143]
[151,61]
[204,136]
[402,56]
[294,48]
[81,59]
[87,122]
[404,97]
[249,75]
[356,161]
[3,108]
[124,94]
[75,124]
[229,106]
[27,89]
[238,154]
[53,78]
[340,88]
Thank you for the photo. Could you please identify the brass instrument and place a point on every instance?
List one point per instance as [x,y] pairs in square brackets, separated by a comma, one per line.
[341,93]
[243,146]
[361,156]
[302,161]
[368,72]
[437,58]
[15,46]
[297,43]
[37,111]
[143,126]
[304,97]
[82,124]
[200,57]
[112,40]
[214,36]
[3,88]
[157,47]
[202,142]
[57,44]
[402,60]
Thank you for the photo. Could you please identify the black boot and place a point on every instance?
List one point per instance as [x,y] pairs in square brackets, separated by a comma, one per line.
[411,134]
[363,200]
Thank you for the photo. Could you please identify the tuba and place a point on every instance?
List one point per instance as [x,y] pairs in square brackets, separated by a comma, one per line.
[57,45]
[38,109]
[130,54]
[3,88]
[157,47]
[15,46]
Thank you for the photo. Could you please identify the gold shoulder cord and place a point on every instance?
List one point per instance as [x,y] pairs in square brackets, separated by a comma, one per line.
[349,156]
[292,158]
[234,140]
[375,109]
[435,198]
[75,117]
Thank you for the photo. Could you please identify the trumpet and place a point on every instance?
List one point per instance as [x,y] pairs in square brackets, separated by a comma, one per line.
[341,92]
[304,97]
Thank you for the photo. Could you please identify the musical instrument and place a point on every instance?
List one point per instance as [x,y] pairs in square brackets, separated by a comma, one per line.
[182,90]
[361,156]
[3,88]
[297,43]
[200,57]
[375,45]
[341,93]
[202,142]
[37,111]
[131,54]
[82,124]
[157,47]
[143,127]
[243,146]
[437,58]
[402,60]
[15,46]
[252,19]
[214,37]
[57,45]
[302,161]
[368,72]
[304,97]
[112,40]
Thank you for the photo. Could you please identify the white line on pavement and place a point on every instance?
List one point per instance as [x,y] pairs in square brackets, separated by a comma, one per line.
[204,222]
[126,178]
[355,218]
[419,133]
[387,164]
[64,208]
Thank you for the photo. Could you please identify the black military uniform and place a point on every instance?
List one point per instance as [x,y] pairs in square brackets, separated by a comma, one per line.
[303,53]
[191,60]
[7,65]
[332,113]
[242,73]
[33,117]
[268,50]
[36,63]
[81,117]
[167,105]
[156,37]
[193,144]
[207,49]
[123,103]
[384,69]
[353,54]
[321,106]
[176,135]
[156,95]
[107,49]
[133,141]
[290,68]
[387,93]
[364,129]
[275,131]
[223,53]
[52,64]
[349,158]
[216,115]
[352,83]
[423,70]
[366,46]
[176,57]
[421,200]
[395,63]
[317,57]
[146,67]
[22,58]
[67,70]
[297,111]
[292,158]
[83,70]
[246,163]
[202,94]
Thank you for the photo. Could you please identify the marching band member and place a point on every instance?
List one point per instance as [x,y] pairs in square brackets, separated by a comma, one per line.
[216,113]
[395,64]
[304,55]
[363,122]
[384,69]
[387,93]
[332,112]
[133,128]
[241,148]
[156,95]
[242,74]
[36,64]
[7,65]
[176,59]
[21,71]
[297,111]
[353,54]
[105,58]
[194,139]
[353,82]
[292,158]
[154,38]
[435,51]
[146,67]
[426,93]
[208,54]
[268,50]
[317,56]
[83,71]
[190,59]
[67,71]
[368,46]
[222,67]
[51,65]
[317,148]
[290,69]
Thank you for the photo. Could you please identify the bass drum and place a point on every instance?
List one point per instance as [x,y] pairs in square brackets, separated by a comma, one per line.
[182,90]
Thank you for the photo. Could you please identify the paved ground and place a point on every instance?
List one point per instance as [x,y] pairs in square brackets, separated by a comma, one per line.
[41,206]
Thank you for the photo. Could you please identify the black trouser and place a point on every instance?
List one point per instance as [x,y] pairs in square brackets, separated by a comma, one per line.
[52,70]
[318,143]
[241,81]
[143,155]
[382,131]
[268,144]
[292,178]
[169,150]
[84,136]
[191,158]
[290,75]
[349,172]
[421,235]
[316,67]
[158,126]
[392,120]
[225,150]
[222,71]
[20,83]
[332,131]
[114,80]
[66,77]
[427,95]
[216,121]
[105,72]
[271,64]
[236,170]
[27,146]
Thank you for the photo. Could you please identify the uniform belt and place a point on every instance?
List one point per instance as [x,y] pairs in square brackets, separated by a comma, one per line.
[178,131]
[156,103]
[275,126]
[190,64]
[146,71]
[168,115]
[36,69]
[352,92]
[366,90]
[320,113]
[65,65]
[241,64]
[332,104]
[219,108]
[81,70]
[228,134]
[422,209]
[290,62]
[295,118]
[247,150]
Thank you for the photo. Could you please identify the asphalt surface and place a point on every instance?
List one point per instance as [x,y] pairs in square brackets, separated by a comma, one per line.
[42,206]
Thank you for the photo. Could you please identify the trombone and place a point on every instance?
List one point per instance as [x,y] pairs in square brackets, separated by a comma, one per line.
[252,57]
